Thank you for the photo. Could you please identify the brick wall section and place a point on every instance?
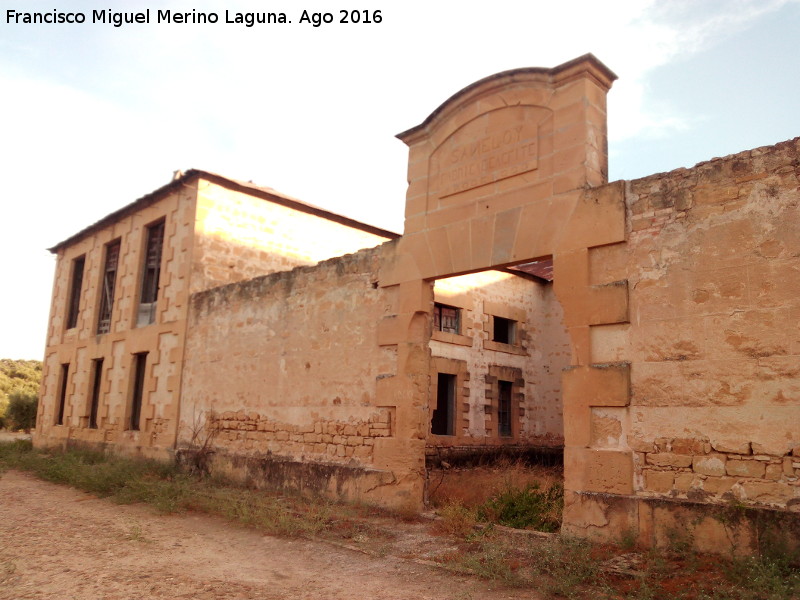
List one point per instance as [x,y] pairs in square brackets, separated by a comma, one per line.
[714,274]
[286,364]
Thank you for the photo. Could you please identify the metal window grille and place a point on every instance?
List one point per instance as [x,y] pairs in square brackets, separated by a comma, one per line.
[109,281]
[446,318]
[73,309]
[151,275]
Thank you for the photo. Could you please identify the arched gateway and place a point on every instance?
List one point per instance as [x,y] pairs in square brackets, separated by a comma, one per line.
[503,173]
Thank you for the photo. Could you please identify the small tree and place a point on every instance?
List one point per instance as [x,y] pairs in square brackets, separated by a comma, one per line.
[21,410]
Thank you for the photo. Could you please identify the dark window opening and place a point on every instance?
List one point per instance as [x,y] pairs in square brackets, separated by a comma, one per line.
[109,281]
[74,306]
[504,330]
[151,274]
[62,395]
[504,409]
[446,318]
[139,369]
[95,399]
[442,418]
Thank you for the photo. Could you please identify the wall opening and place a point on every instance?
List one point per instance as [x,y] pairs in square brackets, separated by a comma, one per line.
[498,347]
[151,274]
[504,330]
[62,394]
[443,413]
[504,408]
[108,284]
[139,370]
[76,283]
[94,401]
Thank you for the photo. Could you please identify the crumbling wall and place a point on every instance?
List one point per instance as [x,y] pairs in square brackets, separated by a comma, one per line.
[282,370]
[714,274]
[709,359]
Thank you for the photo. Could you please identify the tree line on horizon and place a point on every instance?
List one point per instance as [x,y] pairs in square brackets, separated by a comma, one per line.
[19,393]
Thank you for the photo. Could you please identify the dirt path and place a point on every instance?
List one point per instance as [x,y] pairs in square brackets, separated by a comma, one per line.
[60,543]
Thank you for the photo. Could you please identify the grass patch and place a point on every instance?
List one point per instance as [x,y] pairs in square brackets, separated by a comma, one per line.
[766,577]
[558,566]
[167,488]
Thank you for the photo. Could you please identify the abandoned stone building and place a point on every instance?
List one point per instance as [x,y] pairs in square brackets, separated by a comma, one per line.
[649,328]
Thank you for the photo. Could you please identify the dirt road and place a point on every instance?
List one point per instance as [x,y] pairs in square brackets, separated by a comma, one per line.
[60,543]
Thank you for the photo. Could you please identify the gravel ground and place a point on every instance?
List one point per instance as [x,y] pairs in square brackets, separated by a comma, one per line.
[60,543]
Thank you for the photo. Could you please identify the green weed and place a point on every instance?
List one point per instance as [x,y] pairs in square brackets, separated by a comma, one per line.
[526,508]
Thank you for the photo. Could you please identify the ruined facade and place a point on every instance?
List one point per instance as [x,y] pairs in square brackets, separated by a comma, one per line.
[664,357]
[115,343]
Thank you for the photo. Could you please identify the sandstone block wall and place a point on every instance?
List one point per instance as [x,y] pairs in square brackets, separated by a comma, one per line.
[284,368]
[714,277]
[239,236]
[81,345]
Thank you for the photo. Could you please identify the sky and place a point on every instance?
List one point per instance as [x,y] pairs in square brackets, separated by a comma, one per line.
[94,116]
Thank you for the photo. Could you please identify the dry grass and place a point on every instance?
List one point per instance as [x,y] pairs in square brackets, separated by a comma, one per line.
[474,486]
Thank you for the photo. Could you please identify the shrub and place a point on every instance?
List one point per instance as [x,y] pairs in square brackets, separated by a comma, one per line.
[526,508]
[21,410]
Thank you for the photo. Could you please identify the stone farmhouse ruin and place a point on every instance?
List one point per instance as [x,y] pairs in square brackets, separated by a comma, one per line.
[649,328]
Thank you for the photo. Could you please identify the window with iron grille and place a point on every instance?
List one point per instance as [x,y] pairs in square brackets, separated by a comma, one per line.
[139,370]
[109,281]
[151,274]
[446,318]
[74,306]
[94,403]
[504,409]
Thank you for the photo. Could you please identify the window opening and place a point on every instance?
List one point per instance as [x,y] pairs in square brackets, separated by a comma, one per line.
[504,330]
[95,399]
[109,281]
[139,369]
[446,318]
[504,409]
[151,274]
[62,394]
[442,418]
[75,291]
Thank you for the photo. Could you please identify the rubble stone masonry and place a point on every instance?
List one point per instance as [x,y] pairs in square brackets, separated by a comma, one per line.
[284,368]
[714,272]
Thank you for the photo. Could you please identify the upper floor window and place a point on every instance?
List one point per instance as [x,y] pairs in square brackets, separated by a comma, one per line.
[107,292]
[76,282]
[446,318]
[151,274]
[504,331]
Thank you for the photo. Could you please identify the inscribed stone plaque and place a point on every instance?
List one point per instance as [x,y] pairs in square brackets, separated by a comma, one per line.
[493,146]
